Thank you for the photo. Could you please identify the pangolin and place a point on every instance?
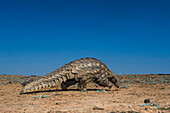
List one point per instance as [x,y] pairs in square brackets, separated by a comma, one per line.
[81,71]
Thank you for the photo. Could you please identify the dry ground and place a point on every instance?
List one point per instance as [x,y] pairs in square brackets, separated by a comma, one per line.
[114,100]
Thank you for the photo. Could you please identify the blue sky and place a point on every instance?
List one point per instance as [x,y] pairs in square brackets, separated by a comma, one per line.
[39,36]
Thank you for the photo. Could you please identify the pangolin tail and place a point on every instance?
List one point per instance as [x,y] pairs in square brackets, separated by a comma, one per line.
[49,81]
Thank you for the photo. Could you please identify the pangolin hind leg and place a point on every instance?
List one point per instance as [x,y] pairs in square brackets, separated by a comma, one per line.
[68,83]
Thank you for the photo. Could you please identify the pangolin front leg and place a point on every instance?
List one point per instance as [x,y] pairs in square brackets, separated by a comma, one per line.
[104,83]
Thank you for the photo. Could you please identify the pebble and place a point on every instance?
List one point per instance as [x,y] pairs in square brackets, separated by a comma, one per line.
[97,108]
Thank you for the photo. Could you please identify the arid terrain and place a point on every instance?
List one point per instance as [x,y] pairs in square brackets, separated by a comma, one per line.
[129,98]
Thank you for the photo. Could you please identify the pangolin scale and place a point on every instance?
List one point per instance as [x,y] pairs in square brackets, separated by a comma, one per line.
[81,71]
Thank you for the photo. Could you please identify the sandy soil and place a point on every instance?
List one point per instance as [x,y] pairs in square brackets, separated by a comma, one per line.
[127,100]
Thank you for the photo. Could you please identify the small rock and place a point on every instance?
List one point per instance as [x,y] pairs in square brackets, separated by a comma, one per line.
[147,101]
[97,108]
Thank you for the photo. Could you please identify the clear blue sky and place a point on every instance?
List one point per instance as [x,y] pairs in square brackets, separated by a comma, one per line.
[39,36]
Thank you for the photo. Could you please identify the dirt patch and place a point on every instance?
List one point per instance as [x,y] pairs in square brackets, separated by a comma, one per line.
[97,99]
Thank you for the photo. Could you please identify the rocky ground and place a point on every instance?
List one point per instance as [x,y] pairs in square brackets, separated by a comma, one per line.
[129,98]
